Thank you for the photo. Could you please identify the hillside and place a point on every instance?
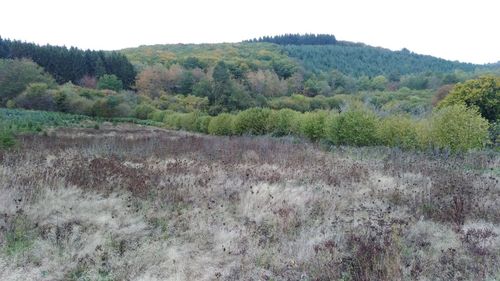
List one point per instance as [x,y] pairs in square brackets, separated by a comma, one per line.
[253,55]
[359,59]
[264,72]
[352,59]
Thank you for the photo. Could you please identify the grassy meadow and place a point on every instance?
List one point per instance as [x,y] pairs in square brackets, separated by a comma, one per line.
[129,202]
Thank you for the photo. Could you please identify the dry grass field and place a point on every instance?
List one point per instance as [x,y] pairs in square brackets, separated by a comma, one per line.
[136,203]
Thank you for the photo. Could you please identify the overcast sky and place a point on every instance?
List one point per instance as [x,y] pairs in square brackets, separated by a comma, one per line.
[467,31]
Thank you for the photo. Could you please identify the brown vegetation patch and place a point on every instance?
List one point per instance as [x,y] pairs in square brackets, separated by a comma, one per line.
[134,203]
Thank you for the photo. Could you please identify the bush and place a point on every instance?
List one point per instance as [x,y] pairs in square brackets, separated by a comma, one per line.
[312,125]
[157,115]
[303,104]
[281,122]
[457,128]
[296,102]
[143,111]
[253,121]
[356,127]
[172,120]
[188,121]
[10,104]
[397,131]
[123,110]
[110,106]
[202,124]
[78,105]
[221,125]
[182,103]
[37,96]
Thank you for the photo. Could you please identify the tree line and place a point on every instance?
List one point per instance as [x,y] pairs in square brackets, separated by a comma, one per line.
[297,39]
[71,64]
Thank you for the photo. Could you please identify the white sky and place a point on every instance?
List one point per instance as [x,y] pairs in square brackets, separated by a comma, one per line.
[468,31]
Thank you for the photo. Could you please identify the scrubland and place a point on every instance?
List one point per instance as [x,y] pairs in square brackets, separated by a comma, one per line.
[127,202]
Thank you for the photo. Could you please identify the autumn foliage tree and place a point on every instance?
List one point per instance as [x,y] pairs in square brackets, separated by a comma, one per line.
[151,81]
[483,93]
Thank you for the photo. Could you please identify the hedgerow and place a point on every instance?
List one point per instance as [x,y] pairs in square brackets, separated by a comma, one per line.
[456,128]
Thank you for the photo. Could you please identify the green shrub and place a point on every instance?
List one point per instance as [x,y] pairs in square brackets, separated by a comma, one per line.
[281,122]
[79,105]
[312,125]
[36,96]
[123,110]
[172,120]
[111,106]
[157,115]
[10,104]
[295,102]
[202,124]
[397,131]
[355,127]
[143,111]
[253,121]
[457,128]
[303,104]
[188,121]
[221,125]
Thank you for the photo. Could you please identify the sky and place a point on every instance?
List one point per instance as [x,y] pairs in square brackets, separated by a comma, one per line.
[467,31]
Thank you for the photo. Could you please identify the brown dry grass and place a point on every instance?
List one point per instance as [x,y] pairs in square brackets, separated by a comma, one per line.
[136,203]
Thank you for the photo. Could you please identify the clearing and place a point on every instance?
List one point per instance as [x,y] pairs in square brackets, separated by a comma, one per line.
[127,202]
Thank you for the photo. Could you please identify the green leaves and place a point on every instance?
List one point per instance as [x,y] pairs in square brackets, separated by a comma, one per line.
[457,128]
[355,127]
[483,93]
[252,121]
[312,125]
[221,125]
[16,75]
[281,122]
[397,131]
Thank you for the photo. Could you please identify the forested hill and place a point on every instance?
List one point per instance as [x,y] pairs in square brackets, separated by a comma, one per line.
[358,60]
[304,52]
